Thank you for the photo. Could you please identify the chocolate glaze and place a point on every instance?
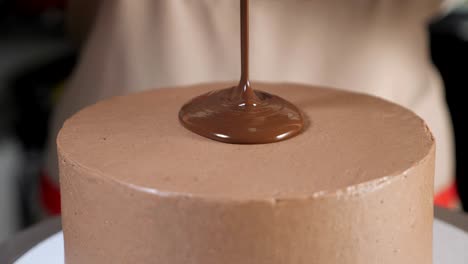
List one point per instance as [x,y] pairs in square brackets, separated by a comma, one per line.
[239,114]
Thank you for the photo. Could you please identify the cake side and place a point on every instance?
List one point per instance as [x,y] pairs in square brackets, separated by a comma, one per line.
[107,222]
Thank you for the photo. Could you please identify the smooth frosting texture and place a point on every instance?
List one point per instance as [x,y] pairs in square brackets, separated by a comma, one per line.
[350,139]
[355,187]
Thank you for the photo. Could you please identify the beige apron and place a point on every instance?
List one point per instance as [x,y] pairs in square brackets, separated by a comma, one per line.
[376,47]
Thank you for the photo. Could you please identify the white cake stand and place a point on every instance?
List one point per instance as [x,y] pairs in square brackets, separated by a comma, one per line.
[450,242]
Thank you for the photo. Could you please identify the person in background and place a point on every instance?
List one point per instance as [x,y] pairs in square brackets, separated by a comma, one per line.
[381,49]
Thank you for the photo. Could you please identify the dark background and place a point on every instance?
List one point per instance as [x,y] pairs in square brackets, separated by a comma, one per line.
[449,48]
[36,58]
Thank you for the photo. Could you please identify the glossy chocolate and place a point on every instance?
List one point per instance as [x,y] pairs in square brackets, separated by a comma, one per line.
[240,115]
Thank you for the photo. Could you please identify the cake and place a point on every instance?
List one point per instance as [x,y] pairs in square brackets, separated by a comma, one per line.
[355,187]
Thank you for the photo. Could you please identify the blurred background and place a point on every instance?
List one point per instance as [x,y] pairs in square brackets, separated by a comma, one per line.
[37,56]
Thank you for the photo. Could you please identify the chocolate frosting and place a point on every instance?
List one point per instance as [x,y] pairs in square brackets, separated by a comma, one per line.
[355,187]
[351,139]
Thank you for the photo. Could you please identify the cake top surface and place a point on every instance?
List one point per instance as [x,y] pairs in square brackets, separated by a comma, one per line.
[350,140]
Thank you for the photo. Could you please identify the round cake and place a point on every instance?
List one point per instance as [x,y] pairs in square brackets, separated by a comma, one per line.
[354,187]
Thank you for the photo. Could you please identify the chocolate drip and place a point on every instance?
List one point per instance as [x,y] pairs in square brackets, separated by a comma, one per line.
[241,115]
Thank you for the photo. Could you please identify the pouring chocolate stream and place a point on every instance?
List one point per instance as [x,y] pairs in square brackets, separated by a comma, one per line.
[240,114]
